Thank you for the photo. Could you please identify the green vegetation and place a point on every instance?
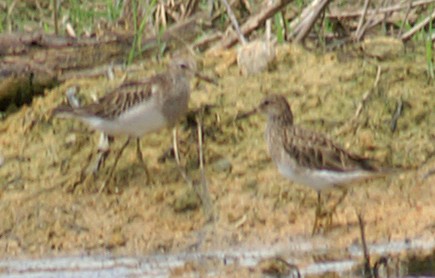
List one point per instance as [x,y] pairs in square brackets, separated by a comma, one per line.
[279,28]
[429,61]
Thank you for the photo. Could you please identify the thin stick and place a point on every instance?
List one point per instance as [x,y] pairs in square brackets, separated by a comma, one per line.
[252,23]
[358,111]
[55,17]
[371,23]
[210,7]
[234,22]
[204,193]
[396,115]
[296,23]
[142,161]
[405,19]
[268,24]
[361,20]
[364,244]
[390,9]
[417,27]
[368,93]
[177,157]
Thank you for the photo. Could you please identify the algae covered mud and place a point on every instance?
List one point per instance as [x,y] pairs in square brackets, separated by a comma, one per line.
[351,97]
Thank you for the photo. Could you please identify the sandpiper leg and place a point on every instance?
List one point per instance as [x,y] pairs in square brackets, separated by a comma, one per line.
[142,161]
[112,170]
[97,159]
[326,213]
[334,207]
[101,155]
[102,152]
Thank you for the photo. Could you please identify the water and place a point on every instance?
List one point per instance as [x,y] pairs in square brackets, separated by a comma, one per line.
[164,265]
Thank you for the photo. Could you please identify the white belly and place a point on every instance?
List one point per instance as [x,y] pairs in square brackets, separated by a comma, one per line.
[321,179]
[136,122]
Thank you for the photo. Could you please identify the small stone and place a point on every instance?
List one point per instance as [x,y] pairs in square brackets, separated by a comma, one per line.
[383,47]
[251,185]
[188,200]
[255,57]
[222,165]
[367,140]
[116,239]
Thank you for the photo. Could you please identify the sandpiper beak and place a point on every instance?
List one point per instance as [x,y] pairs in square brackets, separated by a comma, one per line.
[247,114]
[205,78]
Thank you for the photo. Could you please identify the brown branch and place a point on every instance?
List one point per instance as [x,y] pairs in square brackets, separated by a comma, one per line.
[252,23]
[297,23]
[417,27]
[309,22]
[366,253]
[394,8]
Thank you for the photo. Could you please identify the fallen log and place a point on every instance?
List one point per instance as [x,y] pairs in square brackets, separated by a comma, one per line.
[30,63]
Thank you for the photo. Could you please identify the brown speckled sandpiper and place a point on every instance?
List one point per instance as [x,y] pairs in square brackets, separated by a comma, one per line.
[137,108]
[310,158]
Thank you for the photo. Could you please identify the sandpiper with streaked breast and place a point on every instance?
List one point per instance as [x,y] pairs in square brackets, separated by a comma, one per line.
[310,158]
[140,107]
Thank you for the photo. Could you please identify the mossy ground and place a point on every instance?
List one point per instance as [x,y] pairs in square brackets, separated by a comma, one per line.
[254,205]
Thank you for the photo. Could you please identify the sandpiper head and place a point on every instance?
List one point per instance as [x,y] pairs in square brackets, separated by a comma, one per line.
[276,106]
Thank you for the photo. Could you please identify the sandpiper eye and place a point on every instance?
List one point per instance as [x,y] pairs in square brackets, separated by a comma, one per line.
[266,102]
[183,66]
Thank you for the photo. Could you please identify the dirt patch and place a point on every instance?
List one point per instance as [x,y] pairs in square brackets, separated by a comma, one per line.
[254,205]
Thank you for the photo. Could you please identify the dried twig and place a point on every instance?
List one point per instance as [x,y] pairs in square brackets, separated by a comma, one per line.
[234,22]
[203,191]
[177,157]
[55,16]
[205,41]
[308,23]
[358,32]
[252,23]
[367,94]
[367,266]
[369,23]
[408,10]
[390,9]
[396,115]
[417,27]
[296,23]
[360,107]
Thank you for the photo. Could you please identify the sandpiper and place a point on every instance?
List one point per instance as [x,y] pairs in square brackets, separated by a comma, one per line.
[310,158]
[137,108]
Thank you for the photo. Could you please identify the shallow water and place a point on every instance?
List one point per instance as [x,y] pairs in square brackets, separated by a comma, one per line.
[164,265]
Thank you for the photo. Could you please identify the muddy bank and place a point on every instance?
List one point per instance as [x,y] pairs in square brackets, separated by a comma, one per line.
[44,215]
